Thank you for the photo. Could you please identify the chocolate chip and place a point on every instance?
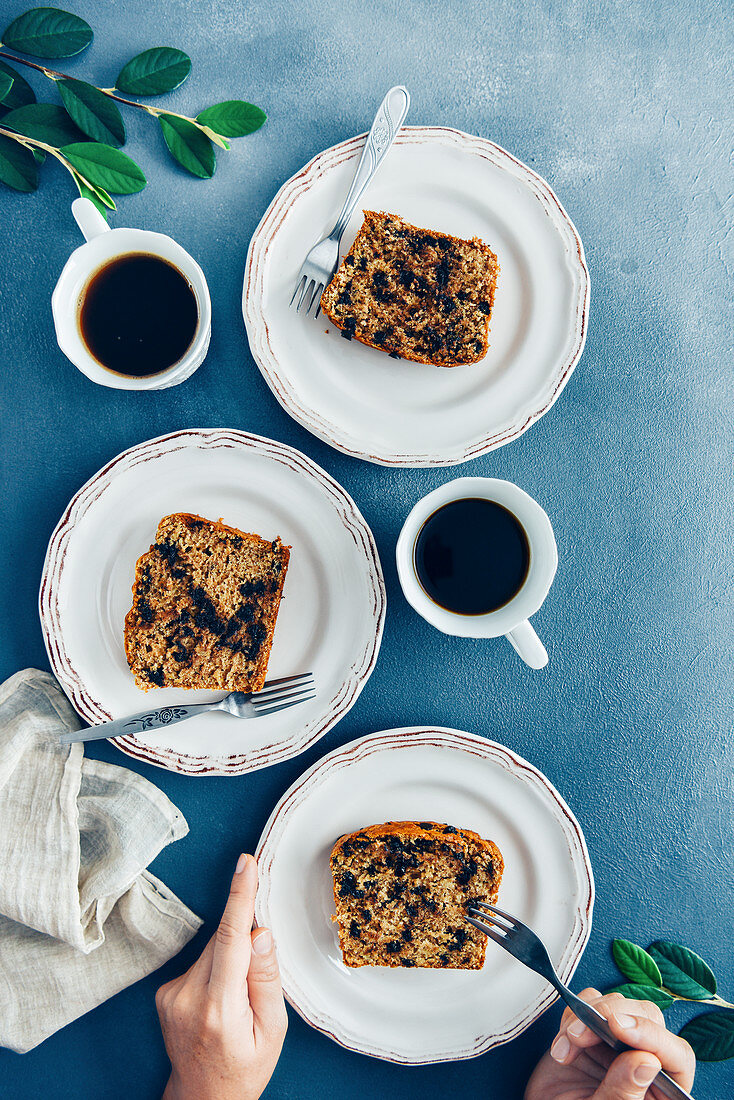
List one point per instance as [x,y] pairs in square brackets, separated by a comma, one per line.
[156,676]
[354,930]
[404,961]
[484,307]
[145,611]
[449,829]
[348,886]
[407,935]
[245,613]
[345,297]
[442,273]
[394,355]
[350,327]
[252,588]
[168,551]
[393,946]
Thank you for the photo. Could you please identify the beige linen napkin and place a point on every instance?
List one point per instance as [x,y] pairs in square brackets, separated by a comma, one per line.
[80,916]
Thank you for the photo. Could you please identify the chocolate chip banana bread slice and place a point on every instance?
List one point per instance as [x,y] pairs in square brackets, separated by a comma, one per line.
[402,890]
[414,293]
[205,601]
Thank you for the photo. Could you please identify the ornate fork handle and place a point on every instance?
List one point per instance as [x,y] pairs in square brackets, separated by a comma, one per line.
[388,120]
[138,723]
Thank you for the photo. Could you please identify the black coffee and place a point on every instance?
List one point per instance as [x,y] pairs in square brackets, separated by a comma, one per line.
[471,556]
[139,315]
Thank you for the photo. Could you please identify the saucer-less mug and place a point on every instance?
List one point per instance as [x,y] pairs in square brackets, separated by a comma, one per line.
[103,245]
[512,618]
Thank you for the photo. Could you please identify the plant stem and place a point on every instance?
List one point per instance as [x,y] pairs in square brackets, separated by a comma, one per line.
[715,1000]
[55,75]
[54,150]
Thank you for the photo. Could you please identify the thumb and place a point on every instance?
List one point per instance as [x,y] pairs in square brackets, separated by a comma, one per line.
[629,1076]
[263,986]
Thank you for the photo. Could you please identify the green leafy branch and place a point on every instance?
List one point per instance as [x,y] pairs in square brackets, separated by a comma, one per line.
[89,115]
[668,972]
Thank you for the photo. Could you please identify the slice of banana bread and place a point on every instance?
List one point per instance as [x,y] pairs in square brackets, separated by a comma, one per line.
[414,293]
[402,891]
[205,601]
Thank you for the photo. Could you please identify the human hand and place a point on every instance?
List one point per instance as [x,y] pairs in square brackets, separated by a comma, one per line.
[224,1020]
[579,1066]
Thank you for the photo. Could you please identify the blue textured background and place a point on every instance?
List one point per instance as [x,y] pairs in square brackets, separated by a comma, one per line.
[625,108]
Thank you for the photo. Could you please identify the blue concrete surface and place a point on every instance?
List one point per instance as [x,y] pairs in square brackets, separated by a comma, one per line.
[626,109]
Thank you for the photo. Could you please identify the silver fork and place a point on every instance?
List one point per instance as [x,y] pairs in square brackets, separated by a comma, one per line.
[275,695]
[323,259]
[524,945]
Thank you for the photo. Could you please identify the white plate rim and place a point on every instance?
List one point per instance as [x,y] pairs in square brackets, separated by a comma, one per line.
[356,675]
[257,328]
[409,737]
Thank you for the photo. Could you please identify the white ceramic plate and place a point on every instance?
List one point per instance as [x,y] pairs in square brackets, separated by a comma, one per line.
[419,1016]
[330,621]
[407,414]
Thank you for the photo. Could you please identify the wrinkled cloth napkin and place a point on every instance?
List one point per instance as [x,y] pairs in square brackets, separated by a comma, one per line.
[80,916]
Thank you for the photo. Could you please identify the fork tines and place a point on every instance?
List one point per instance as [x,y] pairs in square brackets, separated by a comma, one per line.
[311,292]
[283,693]
[493,922]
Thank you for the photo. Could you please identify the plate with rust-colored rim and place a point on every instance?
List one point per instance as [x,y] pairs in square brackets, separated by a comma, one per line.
[330,620]
[393,413]
[423,773]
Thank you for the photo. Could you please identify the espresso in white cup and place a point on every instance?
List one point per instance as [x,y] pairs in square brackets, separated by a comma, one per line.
[86,273]
[476,558]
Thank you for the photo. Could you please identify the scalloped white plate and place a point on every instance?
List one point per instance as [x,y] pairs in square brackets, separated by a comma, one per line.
[423,773]
[409,414]
[330,621]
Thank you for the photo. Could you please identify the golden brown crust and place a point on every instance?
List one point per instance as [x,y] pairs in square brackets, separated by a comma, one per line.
[414,293]
[401,891]
[205,602]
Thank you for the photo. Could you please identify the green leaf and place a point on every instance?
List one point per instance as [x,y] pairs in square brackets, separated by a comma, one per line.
[94,113]
[188,146]
[21,92]
[644,993]
[6,83]
[234,118]
[154,72]
[635,963]
[105,167]
[18,168]
[45,122]
[38,155]
[683,971]
[711,1035]
[97,195]
[48,32]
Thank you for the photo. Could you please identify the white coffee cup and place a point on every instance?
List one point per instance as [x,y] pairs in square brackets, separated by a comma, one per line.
[102,245]
[512,618]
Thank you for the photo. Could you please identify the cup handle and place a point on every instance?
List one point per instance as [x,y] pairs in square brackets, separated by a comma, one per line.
[88,218]
[528,645]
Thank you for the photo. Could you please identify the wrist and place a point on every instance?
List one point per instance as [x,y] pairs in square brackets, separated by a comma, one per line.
[173,1089]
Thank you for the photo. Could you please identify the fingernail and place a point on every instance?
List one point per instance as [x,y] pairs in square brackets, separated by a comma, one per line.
[561,1049]
[263,942]
[625,1021]
[645,1073]
[241,862]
